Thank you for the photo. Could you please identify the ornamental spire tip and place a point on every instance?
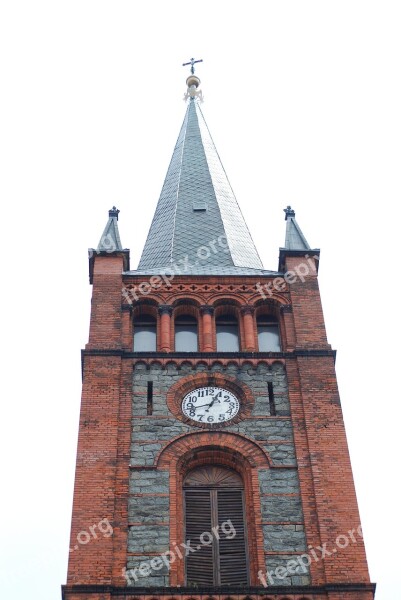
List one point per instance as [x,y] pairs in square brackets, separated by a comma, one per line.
[193,82]
[289,212]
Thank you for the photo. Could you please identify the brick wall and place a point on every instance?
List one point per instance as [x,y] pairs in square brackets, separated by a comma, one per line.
[295,465]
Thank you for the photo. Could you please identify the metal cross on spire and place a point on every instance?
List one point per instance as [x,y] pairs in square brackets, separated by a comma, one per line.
[192,62]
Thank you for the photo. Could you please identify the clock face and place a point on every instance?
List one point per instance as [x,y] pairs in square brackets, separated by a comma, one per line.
[210,405]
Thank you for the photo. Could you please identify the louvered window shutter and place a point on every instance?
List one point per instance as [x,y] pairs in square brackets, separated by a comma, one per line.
[224,561]
[232,552]
[199,564]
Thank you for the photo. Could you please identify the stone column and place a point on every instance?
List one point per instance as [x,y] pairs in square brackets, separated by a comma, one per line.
[207,327]
[165,311]
[249,331]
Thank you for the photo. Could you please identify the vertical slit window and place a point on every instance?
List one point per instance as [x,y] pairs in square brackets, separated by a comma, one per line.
[186,334]
[272,404]
[227,334]
[145,334]
[268,334]
[149,406]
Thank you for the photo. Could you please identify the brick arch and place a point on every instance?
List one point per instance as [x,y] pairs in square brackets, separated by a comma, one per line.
[187,363]
[278,363]
[140,365]
[217,363]
[156,363]
[195,440]
[186,301]
[226,296]
[266,308]
[231,450]
[147,307]
[233,363]
[276,299]
[186,308]
[172,363]
[185,296]
[227,307]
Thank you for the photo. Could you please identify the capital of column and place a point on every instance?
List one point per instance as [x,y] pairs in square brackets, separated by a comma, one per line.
[286,308]
[165,309]
[247,310]
[206,309]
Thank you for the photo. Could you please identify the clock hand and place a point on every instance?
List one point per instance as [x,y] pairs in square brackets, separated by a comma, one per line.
[212,402]
[201,406]
[209,403]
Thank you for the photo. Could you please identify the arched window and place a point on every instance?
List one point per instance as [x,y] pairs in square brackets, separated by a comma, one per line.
[227,334]
[186,334]
[268,334]
[215,525]
[145,334]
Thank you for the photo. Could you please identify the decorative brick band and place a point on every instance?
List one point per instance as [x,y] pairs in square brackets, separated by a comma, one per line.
[348,591]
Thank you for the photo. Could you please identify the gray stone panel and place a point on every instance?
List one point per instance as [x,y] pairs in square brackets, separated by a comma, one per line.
[279,481]
[152,428]
[138,568]
[275,429]
[148,509]
[145,482]
[144,454]
[148,538]
[283,454]
[281,508]
[287,570]
[282,538]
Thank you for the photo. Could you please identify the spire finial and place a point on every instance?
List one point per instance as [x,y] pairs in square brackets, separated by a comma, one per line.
[193,82]
[192,62]
[114,212]
[289,212]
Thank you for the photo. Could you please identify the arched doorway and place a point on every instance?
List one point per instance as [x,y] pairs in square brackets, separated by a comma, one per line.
[215,525]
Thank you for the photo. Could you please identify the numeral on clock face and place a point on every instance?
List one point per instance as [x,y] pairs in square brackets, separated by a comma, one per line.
[210,405]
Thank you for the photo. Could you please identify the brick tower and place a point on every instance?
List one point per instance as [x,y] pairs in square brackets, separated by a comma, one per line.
[212,459]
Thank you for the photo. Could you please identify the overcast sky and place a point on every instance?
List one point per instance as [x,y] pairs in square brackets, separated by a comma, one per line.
[303,101]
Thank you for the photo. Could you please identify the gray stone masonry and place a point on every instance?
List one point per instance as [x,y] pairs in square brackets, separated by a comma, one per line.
[145,482]
[287,570]
[148,538]
[281,508]
[282,538]
[146,571]
[148,509]
[279,481]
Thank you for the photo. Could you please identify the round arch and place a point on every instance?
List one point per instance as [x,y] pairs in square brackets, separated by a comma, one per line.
[229,450]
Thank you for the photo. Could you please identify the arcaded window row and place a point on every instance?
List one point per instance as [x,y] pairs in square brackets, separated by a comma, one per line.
[219,334]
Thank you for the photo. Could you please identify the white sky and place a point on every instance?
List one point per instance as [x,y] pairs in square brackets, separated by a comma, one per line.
[303,102]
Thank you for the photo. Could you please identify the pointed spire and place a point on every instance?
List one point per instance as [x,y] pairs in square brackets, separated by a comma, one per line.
[198,224]
[110,240]
[294,238]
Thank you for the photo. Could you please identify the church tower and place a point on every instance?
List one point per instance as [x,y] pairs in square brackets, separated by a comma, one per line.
[212,459]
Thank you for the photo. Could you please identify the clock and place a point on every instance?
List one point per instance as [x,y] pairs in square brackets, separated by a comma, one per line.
[210,405]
